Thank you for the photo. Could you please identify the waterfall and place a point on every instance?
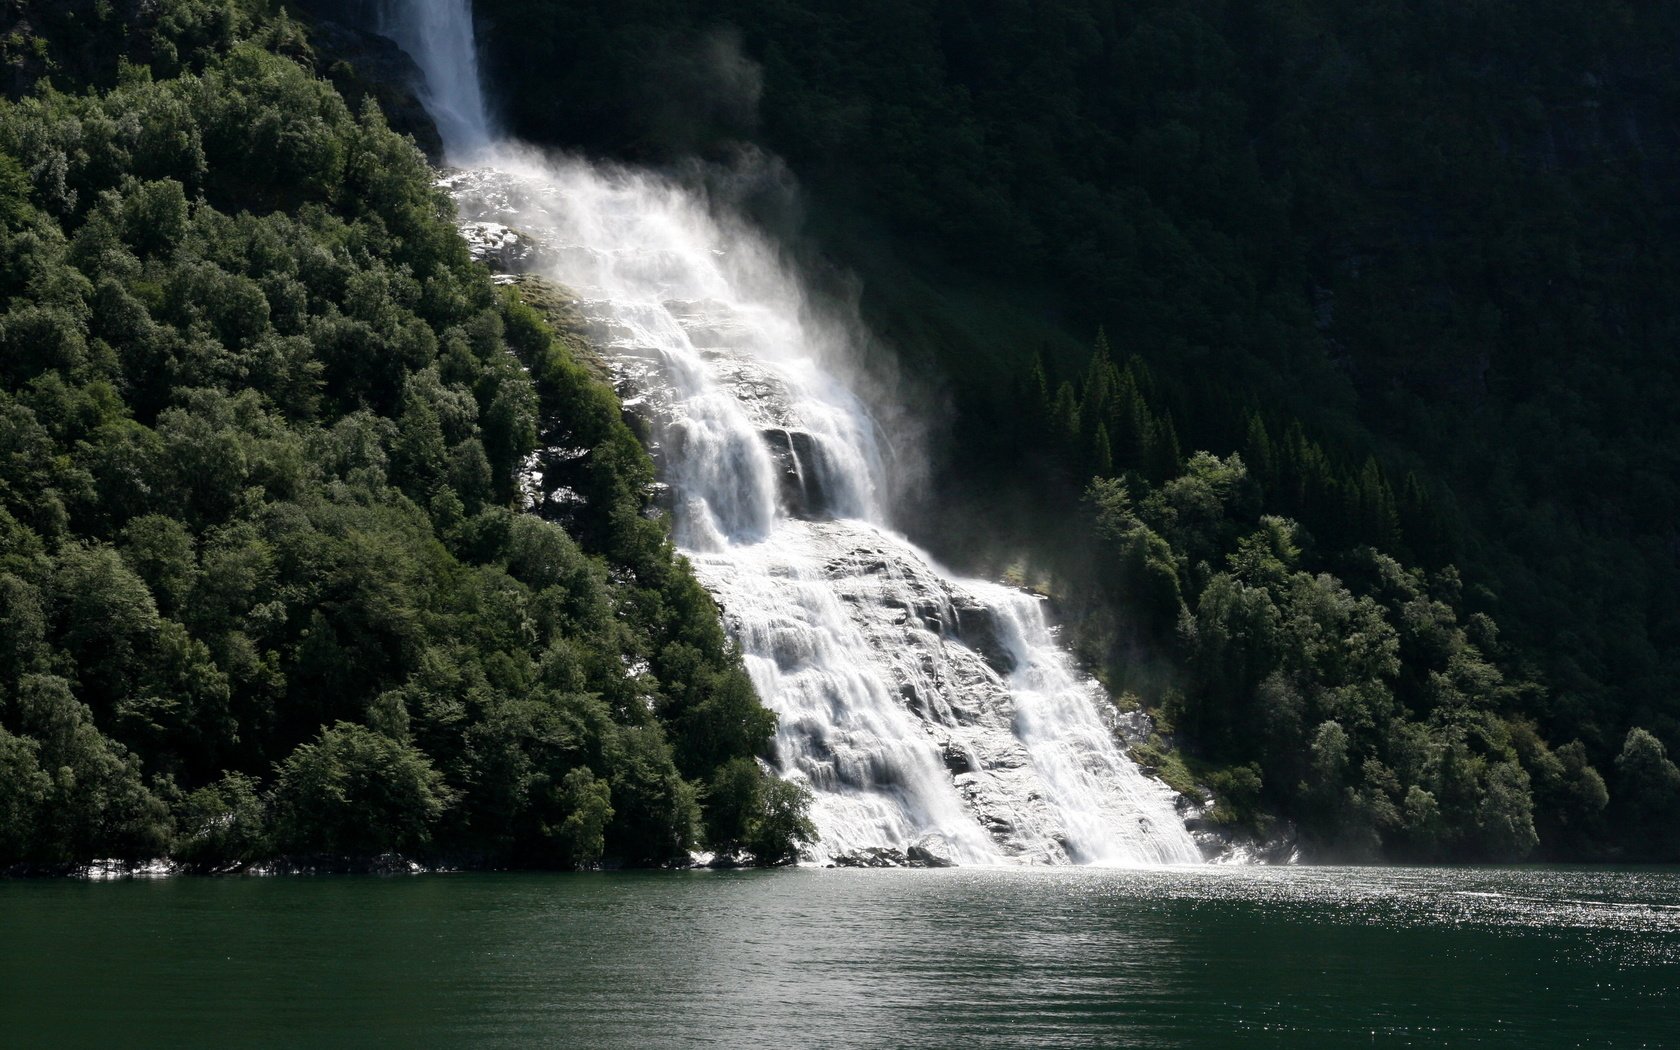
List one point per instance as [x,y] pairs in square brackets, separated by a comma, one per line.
[438,35]
[932,717]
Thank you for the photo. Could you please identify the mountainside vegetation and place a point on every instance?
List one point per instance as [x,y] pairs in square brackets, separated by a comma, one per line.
[265,584]
[1404,270]
[1369,490]
[1329,683]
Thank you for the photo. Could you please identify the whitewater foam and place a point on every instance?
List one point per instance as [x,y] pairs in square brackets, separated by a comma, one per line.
[929,715]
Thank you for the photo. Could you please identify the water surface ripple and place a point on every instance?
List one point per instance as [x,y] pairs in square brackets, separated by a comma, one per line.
[961,957]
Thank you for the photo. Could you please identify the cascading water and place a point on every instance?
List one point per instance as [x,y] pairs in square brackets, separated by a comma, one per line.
[438,35]
[932,717]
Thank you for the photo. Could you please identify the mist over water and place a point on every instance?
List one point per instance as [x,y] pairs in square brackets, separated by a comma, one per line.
[930,715]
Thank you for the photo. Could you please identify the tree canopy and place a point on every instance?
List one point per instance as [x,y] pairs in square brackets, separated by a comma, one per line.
[1413,261]
[266,583]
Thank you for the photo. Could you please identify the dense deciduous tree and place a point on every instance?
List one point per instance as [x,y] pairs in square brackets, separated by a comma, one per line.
[262,585]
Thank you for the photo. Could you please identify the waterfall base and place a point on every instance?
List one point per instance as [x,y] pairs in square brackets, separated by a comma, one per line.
[935,720]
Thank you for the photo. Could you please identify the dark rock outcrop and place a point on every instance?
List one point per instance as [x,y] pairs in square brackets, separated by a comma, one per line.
[872,857]
[362,64]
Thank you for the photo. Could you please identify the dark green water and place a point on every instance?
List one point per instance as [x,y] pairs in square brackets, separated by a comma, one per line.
[956,958]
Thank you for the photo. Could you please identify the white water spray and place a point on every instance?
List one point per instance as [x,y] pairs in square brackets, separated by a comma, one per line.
[934,717]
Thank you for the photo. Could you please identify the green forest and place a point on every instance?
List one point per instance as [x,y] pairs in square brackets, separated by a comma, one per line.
[1388,298]
[263,587]
[1318,359]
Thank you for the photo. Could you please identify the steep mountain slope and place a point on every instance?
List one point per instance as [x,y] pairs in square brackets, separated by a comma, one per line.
[1429,248]
[263,585]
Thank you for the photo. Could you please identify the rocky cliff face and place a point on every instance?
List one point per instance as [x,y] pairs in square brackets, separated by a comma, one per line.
[362,65]
[935,719]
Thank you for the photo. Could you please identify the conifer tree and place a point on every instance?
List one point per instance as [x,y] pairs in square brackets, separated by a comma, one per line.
[1102,457]
[1164,453]
[1258,453]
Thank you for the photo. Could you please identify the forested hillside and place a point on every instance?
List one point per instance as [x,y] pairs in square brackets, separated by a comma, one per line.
[1413,263]
[1367,489]
[264,583]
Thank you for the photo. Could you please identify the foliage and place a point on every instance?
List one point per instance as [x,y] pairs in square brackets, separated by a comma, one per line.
[1651,783]
[1413,261]
[265,583]
[1321,680]
[225,821]
[357,791]
[763,814]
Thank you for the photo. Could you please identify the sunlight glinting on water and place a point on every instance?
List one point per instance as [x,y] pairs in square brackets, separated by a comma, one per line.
[1196,956]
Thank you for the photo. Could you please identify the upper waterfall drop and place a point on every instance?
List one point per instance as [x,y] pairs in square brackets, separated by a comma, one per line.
[438,35]
[932,717]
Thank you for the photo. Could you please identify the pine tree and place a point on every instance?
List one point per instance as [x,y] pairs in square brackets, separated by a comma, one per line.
[1094,399]
[1131,425]
[1164,453]
[1102,456]
[1064,420]
[1422,524]
[1035,399]
[1379,522]
[1258,453]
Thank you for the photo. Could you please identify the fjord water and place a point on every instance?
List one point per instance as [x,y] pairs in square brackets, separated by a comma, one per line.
[931,716]
[982,957]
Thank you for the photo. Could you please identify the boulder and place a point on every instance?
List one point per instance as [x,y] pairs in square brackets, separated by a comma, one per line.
[871,857]
[978,628]
[931,851]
